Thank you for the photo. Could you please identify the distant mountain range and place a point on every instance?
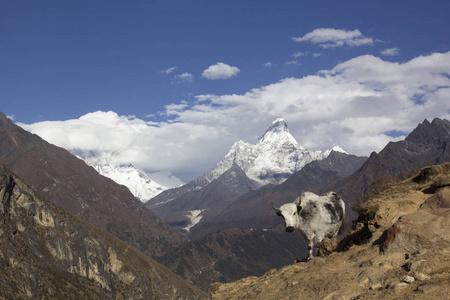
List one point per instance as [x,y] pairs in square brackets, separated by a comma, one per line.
[246,167]
[226,212]
[142,185]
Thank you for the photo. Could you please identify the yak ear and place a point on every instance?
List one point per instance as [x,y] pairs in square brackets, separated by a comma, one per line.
[298,201]
[299,208]
[279,213]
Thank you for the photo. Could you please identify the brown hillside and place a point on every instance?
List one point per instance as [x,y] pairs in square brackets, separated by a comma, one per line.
[400,251]
[72,185]
[47,253]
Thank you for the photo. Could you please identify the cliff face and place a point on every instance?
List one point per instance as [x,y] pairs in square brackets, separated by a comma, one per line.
[400,250]
[45,252]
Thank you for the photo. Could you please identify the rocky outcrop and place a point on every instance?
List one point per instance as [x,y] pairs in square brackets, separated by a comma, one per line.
[45,252]
[400,250]
[420,230]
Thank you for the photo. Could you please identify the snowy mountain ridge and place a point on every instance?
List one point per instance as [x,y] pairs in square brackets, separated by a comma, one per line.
[138,182]
[274,158]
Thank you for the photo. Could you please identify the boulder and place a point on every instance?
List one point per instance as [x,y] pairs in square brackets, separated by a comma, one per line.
[439,200]
[418,231]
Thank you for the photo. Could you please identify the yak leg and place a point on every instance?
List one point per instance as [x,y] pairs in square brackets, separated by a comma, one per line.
[311,249]
[310,244]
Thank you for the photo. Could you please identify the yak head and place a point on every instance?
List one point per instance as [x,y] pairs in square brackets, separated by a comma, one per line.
[289,212]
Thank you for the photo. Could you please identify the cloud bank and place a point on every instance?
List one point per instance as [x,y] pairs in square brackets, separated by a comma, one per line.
[220,71]
[331,38]
[357,105]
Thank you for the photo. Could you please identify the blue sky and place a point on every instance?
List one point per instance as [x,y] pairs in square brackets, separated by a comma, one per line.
[192,77]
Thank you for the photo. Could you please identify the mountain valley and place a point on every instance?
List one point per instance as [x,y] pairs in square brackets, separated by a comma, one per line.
[245,168]
[226,213]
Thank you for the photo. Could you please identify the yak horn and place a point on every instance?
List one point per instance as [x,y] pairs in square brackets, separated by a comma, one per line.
[277,209]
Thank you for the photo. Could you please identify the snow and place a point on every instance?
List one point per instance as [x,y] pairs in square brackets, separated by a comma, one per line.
[275,156]
[336,149]
[195,217]
[138,182]
[166,179]
[339,149]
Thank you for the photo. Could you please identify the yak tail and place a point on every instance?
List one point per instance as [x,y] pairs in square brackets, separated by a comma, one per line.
[343,224]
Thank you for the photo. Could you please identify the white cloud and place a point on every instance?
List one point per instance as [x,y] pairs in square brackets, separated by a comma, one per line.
[168,70]
[184,77]
[390,52]
[351,105]
[299,54]
[331,38]
[220,71]
[292,62]
[267,65]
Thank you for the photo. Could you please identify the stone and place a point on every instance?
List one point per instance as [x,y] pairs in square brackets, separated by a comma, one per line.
[417,231]
[441,199]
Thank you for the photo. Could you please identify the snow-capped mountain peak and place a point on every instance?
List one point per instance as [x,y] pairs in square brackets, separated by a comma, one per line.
[336,149]
[277,132]
[138,182]
[275,156]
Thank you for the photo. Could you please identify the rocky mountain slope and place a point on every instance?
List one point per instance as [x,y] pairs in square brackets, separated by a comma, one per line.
[246,167]
[275,157]
[427,144]
[74,186]
[228,253]
[233,254]
[400,250]
[47,253]
[254,209]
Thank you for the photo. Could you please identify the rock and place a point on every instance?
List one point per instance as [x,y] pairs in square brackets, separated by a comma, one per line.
[326,246]
[417,231]
[439,200]
[420,276]
[408,279]
[425,175]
